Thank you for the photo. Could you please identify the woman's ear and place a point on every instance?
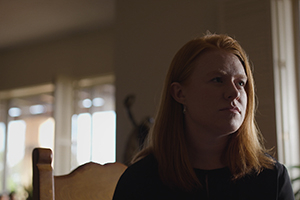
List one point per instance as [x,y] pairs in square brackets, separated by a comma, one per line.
[177,92]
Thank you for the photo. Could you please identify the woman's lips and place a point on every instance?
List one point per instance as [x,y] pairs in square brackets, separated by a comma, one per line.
[234,109]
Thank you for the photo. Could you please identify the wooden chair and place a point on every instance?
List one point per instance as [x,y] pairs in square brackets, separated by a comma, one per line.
[88,181]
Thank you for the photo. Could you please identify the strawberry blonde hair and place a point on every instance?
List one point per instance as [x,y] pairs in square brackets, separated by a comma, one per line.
[245,152]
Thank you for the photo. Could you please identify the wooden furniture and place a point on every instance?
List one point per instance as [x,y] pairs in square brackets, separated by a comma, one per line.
[88,181]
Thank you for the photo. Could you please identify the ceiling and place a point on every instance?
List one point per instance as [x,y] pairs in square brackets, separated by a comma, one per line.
[23,22]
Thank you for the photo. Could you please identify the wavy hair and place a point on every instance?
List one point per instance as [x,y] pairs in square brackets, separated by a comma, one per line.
[245,151]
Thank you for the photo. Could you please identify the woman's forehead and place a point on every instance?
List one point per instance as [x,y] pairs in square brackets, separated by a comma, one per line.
[218,61]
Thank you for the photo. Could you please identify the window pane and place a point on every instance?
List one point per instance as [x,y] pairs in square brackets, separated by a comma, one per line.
[83,138]
[30,125]
[16,153]
[2,151]
[104,137]
[93,125]
[16,142]
[46,133]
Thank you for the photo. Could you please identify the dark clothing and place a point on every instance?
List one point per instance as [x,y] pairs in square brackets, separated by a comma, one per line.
[141,181]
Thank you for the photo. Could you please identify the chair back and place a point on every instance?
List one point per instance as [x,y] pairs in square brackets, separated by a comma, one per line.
[88,181]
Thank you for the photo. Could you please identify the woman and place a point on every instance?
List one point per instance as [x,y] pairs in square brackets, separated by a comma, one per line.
[204,143]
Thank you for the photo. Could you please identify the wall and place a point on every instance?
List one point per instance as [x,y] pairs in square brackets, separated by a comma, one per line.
[81,55]
[148,34]
[139,50]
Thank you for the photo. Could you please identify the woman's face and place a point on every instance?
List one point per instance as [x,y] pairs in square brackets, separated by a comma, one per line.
[214,95]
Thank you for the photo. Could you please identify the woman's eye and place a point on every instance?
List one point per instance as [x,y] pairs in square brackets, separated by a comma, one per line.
[217,80]
[242,83]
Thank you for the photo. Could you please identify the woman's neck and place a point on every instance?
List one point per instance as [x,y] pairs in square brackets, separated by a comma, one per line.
[206,151]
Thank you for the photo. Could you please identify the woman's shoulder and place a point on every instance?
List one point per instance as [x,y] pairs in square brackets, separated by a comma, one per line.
[281,174]
[274,173]
[270,181]
[278,168]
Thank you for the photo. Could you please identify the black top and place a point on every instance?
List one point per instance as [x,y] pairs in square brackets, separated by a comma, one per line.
[141,181]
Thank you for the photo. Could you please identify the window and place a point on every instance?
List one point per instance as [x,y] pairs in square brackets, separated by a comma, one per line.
[285,82]
[93,125]
[22,127]
[27,121]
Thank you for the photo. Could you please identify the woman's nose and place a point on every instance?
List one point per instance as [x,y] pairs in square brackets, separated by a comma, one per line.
[231,92]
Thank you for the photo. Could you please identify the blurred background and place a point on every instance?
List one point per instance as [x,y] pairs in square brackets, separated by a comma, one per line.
[66,68]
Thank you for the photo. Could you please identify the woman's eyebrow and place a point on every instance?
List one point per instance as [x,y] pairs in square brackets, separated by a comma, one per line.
[224,73]
[217,72]
[242,76]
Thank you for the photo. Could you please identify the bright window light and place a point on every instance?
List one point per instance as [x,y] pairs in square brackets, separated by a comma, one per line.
[94,130]
[104,137]
[86,103]
[98,102]
[37,109]
[46,134]
[16,142]
[2,136]
[14,112]
[83,138]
